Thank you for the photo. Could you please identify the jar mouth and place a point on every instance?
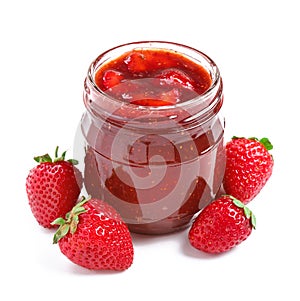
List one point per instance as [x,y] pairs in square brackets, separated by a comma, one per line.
[187,51]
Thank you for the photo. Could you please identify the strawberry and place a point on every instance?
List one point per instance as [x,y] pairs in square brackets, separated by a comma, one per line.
[112,78]
[221,225]
[249,165]
[94,236]
[137,62]
[52,187]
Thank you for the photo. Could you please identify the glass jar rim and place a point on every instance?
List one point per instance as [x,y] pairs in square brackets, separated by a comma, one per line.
[165,45]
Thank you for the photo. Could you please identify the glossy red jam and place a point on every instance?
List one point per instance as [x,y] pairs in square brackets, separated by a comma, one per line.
[153,77]
[153,135]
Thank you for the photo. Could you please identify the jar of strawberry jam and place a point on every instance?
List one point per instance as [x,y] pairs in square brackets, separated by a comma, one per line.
[153,135]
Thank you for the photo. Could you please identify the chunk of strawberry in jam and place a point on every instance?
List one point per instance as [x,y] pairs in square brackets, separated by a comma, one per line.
[151,102]
[173,76]
[136,62]
[112,78]
[142,63]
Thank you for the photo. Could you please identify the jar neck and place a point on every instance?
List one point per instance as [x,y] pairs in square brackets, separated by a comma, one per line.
[189,113]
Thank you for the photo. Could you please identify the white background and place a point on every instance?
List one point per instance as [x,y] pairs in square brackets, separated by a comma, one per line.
[46,48]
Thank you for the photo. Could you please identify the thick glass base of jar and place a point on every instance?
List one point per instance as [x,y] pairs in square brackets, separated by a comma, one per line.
[165,226]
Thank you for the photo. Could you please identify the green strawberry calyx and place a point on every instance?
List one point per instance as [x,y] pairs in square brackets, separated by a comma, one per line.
[264,141]
[70,222]
[47,158]
[248,213]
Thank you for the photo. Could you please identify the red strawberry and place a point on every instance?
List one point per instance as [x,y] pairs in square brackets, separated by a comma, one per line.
[112,78]
[221,225]
[52,187]
[94,236]
[249,165]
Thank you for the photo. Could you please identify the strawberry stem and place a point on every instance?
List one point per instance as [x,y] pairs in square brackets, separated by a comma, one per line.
[43,158]
[248,213]
[47,158]
[266,143]
[61,158]
[69,224]
[56,152]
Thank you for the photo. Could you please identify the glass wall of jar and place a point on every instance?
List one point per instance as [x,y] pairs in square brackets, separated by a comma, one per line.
[157,162]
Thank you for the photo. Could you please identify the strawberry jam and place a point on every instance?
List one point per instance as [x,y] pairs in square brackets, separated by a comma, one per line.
[150,77]
[153,137]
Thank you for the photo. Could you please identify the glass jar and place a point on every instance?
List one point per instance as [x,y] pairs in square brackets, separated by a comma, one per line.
[156,165]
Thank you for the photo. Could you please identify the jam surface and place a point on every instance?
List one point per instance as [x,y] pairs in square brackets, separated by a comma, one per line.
[153,78]
[156,168]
